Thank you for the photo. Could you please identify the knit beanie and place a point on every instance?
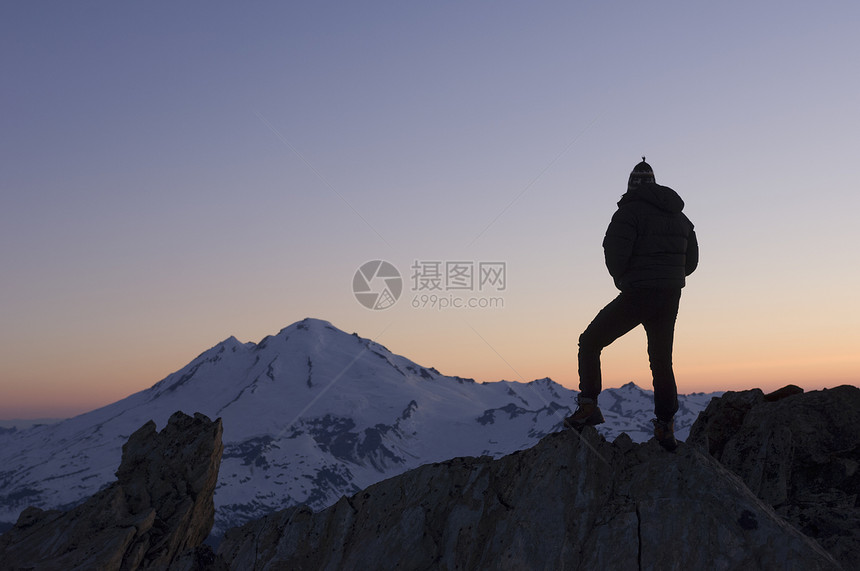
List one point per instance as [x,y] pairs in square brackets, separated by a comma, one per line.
[642,173]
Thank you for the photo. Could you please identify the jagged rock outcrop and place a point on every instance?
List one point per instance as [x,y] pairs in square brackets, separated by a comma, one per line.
[570,502]
[159,508]
[799,453]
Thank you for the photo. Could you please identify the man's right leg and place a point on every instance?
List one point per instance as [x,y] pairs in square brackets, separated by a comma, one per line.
[660,329]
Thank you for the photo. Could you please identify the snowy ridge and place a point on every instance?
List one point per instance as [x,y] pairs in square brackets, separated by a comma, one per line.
[309,414]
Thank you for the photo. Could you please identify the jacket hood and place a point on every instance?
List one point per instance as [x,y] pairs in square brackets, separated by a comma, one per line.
[662,197]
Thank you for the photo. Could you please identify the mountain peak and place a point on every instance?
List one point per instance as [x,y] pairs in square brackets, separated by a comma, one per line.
[631,386]
[309,324]
[310,414]
[317,332]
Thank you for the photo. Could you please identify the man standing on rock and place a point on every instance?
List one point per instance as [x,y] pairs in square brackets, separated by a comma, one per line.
[650,247]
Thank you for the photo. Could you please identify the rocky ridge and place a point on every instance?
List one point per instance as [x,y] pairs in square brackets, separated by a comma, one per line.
[765,481]
[571,502]
[157,513]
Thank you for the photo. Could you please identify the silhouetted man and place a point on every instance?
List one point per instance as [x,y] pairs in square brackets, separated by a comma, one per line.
[650,247]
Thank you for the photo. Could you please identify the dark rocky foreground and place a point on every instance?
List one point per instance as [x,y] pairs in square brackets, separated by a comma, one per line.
[570,502]
[764,483]
[797,452]
[154,516]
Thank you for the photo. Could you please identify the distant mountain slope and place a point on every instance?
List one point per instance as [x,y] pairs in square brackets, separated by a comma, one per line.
[310,414]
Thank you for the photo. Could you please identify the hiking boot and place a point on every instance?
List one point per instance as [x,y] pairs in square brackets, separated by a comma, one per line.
[587,414]
[664,432]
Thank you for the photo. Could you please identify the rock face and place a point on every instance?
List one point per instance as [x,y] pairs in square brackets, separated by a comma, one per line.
[571,502]
[159,508]
[800,454]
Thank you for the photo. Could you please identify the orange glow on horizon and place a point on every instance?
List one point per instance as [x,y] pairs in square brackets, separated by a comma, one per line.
[80,393]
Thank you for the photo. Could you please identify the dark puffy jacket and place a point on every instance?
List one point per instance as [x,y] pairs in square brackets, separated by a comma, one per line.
[650,243]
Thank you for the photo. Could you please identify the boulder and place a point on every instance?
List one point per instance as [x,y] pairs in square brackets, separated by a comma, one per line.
[160,507]
[799,453]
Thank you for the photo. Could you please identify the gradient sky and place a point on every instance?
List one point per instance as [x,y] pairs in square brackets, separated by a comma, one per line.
[172,174]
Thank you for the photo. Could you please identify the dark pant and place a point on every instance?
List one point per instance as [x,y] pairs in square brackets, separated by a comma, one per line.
[656,310]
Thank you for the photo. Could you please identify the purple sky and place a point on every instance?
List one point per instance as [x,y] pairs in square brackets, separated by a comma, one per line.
[171,175]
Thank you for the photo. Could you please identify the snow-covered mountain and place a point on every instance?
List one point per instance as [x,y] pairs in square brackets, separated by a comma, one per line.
[309,414]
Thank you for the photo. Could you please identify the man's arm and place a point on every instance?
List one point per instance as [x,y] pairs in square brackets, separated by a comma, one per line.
[692,253]
[618,243]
